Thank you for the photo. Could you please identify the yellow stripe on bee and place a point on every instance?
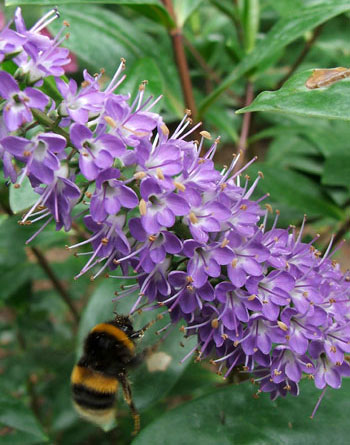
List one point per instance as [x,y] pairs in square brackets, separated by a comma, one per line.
[115,332]
[93,380]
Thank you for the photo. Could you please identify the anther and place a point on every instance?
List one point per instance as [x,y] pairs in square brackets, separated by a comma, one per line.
[269,208]
[165,129]
[159,173]
[193,218]
[179,186]
[234,262]
[205,134]
[309,365]
[143,207]
[140,175]
[110,121]
[282,325]
[215,323]
[224,243]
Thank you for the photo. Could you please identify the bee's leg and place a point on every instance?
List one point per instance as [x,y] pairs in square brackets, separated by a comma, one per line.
[122,377]
[140,333]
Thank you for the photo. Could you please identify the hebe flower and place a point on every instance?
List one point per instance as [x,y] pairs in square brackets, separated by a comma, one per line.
[17,108]
[188,237]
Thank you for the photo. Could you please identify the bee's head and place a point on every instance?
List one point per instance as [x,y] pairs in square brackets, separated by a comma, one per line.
[124,323]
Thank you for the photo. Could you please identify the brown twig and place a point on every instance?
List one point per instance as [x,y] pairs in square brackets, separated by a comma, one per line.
[55,281]
[213,76]
[181,61]
[302,55]
[242,143]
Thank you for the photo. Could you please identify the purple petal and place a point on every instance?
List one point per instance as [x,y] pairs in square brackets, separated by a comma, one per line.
[263,342]
[37,99]
[88,167]
[127,197]
[178,205]
[172,243]
[79,134]
[333,378]
[293,371]
[166,218]
[8,85]
[136,229]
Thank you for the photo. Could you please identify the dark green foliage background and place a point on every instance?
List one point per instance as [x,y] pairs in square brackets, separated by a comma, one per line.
[302,139]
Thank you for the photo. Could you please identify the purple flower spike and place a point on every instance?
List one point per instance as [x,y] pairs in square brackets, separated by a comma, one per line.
[18,103]
[187,236]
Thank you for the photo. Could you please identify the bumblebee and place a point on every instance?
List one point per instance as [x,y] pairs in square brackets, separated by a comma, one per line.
[109,351]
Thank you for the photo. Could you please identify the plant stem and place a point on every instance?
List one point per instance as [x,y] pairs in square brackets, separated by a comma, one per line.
[242,143]
[56,282]
[208,70]
[43,119]
[301,57]
[181,61]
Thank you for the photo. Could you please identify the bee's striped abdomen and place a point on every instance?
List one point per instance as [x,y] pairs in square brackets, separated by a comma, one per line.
[94,394]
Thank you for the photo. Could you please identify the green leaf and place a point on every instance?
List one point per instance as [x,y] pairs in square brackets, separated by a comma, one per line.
[184,9]
[285,31]
[295,98]
[337,170]
[294,152]
[286,7]
[296,190]
[23,197]
[12,239]
[231,416]
[17,416]
[100,37]
[153,9]
[13,278]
